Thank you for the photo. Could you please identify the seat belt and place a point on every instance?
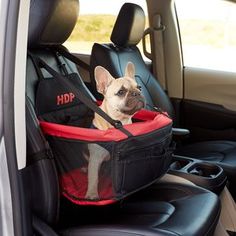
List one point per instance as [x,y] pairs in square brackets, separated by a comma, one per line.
[37,146]
[158,60]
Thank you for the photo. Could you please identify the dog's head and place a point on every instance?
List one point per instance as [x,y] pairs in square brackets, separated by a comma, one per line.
[123,95]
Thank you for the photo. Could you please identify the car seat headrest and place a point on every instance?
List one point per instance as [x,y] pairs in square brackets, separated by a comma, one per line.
[129,25]
[51,21]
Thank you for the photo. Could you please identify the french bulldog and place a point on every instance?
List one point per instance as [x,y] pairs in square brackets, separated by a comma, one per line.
[122,99]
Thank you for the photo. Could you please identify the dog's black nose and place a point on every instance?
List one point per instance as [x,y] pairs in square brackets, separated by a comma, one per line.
[135,93]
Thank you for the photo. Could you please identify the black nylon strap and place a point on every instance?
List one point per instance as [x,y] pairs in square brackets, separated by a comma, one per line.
[41,155]
[64,52]
[37,146]
[60,63]
[38,70]
[83,98]
[159,110]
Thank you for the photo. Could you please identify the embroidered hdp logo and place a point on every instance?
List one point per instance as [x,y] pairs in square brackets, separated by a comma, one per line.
[65,98]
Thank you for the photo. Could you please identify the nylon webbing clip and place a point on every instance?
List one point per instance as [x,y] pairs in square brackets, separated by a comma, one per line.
[118,124]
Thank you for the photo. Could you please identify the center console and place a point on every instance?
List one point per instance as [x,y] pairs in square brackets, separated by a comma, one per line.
[206,175]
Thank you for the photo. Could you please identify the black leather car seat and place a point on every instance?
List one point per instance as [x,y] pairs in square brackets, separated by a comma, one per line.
[163,209]
[126,34]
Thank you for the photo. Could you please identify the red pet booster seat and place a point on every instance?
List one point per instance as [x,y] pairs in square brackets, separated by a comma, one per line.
[135,155]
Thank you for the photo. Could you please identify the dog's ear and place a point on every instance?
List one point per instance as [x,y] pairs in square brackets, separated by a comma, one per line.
[130,70]
[103,79]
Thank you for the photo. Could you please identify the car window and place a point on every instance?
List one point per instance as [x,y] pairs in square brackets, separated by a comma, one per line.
[95,23]
[208,33]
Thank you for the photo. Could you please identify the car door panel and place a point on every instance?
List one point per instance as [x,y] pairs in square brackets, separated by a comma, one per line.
[211,86]
[209,121]
[209,105]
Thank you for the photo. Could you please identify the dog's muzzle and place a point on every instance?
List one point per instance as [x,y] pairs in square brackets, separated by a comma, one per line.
[133,105]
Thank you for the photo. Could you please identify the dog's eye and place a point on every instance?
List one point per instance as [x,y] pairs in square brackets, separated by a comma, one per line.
[139,88]
[121,92]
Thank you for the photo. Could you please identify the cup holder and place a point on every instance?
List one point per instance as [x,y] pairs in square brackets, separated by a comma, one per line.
[205,170]
[179,164]
[204,174]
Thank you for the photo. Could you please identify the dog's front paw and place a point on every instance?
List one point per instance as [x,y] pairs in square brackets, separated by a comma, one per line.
[92,196]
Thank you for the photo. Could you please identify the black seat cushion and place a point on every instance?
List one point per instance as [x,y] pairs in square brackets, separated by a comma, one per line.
[163,209]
